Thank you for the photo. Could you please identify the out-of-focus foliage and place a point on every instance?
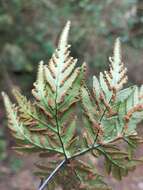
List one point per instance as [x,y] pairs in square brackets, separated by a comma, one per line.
[15,164]
[13,52]
[2,147]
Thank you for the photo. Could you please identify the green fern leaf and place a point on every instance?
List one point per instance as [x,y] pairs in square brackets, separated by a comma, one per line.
[52,126]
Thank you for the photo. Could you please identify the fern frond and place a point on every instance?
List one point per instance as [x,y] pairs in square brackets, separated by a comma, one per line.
[30,115]
[27,140]
[39,85]
[61,73]
[13,121]
[113,80]
[88,177]
[116,76]
[52,126]
[56,90]
[40,93]
[112,113]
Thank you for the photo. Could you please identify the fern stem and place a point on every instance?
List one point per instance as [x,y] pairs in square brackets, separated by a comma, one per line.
[110,158]
[100,121]
[43,123]
[85,151]
[58,127]
[42,187]
[80,180]
[90,148]
[128,142]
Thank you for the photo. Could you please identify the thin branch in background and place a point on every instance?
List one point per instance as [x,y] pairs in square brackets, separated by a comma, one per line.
[42,187]
[41,182]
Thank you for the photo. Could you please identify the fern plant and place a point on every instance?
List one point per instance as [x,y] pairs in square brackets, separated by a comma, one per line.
[69,143]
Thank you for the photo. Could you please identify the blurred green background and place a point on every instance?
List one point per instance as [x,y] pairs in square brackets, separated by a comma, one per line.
[29,31]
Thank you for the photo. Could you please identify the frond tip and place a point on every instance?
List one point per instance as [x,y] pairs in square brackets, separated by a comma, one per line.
[40,75]
[9,109]
[116,76]
[13,120]
[7,102]
[64,36]
[39,84]
[118,66]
